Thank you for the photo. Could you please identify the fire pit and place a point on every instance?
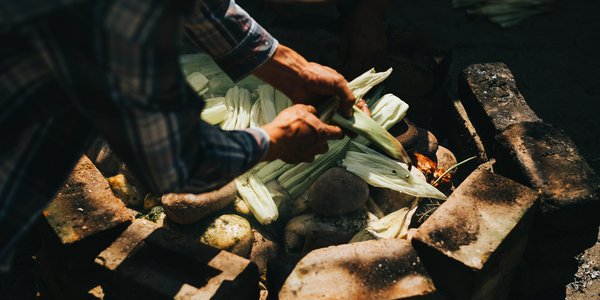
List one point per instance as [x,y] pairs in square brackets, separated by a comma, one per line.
[528,189]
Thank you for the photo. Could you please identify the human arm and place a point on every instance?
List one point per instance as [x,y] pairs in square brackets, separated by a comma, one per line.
[260,54]
[153,121]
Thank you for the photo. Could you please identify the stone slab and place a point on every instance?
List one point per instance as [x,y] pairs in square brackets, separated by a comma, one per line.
[546,159]
[377,269]
[148,261]
[85,206]
[472,243]
[490,94]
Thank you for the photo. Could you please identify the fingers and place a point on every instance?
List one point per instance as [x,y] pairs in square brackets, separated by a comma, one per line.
[309,108]
[346,97]
[324,131]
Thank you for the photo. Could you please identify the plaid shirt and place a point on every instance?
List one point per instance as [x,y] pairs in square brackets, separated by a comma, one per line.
[72,70]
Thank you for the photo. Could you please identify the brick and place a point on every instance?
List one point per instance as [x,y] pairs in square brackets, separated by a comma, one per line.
[148,261]
[85,206]
[473,242]
[463,138]
[377,269]
[546,159]
[490,94]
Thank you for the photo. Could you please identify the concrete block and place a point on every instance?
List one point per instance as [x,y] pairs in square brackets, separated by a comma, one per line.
[490,94]
[472,243]
[150,262]
[85,206]
[546,159]
[377,269]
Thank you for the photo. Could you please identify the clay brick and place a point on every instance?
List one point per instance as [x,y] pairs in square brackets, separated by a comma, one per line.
[85,206]
[148,261]
[473,242]
[463,138]
[490,95]
[546,159]
[377,269]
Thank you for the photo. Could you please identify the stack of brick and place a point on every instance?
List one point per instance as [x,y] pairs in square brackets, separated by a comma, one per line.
[543,158]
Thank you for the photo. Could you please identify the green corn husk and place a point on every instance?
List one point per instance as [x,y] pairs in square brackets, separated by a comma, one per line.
[272,170]
[215,111]
[281,101]
[266,97]
[388,110]
[199,82]
[366,127]
[256,115]
[390,226]
[257,197]
[506,13]
[362,84]
[300,177]
[239,105]
[202,63]
[381,171]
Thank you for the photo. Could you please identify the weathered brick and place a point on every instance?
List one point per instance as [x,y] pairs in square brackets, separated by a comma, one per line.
[490,95]
[85,206]
[463,138]
[377,269]
[546,159]
[150,262]
[472,243]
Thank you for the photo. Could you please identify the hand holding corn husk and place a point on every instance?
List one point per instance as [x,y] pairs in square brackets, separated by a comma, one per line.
[297,135]
[305,82]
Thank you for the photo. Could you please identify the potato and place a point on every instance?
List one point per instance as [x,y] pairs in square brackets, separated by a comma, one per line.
[337,192]
[230,233]
[125,191]
[303,226]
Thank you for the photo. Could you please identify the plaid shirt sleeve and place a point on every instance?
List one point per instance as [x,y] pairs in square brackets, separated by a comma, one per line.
[225,31]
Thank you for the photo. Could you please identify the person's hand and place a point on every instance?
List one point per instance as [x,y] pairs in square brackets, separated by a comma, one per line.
[305,82]
[364,41]
[297,135]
